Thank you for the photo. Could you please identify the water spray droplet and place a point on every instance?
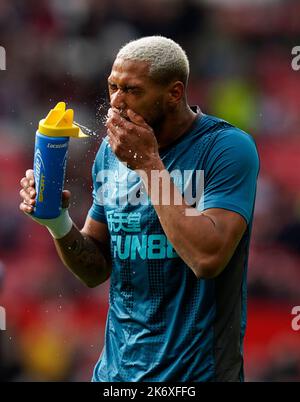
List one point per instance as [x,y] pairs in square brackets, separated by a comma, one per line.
[86,130]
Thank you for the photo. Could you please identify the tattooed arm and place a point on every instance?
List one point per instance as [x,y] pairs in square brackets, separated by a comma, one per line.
[86,253]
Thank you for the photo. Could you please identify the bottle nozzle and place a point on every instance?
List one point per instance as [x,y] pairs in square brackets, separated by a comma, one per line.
[60,123]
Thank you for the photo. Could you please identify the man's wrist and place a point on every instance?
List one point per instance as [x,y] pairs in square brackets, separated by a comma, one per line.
[155,163]
[59,227]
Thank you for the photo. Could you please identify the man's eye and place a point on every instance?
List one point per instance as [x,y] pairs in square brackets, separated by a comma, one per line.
[112,87]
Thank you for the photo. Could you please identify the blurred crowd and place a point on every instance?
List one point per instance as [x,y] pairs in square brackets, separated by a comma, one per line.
[240,55]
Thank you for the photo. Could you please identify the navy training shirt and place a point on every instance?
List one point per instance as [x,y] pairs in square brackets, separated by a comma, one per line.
[163,323]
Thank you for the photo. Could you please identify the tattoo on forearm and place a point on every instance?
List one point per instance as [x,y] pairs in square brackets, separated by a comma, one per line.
[86,252]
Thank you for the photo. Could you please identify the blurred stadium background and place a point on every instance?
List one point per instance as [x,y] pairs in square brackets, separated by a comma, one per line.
[240,53]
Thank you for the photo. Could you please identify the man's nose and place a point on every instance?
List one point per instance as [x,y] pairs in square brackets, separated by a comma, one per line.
[117,99]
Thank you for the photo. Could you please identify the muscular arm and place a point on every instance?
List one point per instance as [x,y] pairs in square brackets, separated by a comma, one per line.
[208,240]
[85,253]
[205,241]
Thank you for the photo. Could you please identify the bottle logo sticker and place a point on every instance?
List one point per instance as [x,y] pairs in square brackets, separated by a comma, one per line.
[40,175]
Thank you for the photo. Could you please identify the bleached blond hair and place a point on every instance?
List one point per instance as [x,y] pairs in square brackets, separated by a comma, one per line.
[167,60]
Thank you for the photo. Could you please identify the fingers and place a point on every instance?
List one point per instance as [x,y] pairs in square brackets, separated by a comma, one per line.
[28,209]
[30,176]
[114,139]
[115,120]
[29,198]
[120,125]
[27,189]
[27,192]
[28,180]
[136,118]
[118,120]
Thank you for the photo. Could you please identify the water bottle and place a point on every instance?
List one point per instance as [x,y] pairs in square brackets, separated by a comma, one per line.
[50,159]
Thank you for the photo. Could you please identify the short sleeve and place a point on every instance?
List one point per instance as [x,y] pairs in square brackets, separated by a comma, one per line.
[97,211]
[230,173]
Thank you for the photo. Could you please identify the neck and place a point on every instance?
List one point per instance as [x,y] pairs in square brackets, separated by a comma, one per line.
[175,125]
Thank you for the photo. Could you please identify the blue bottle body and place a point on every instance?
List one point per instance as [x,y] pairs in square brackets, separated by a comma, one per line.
[50,159]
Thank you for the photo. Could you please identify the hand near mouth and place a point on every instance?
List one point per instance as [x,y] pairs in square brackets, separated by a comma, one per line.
[132,139]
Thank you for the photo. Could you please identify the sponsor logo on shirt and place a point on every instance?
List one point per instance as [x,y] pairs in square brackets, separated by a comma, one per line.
[133,246]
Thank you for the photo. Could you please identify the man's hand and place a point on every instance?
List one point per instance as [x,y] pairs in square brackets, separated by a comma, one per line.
[133,141]
[28,193]
[58,227]
[81,253]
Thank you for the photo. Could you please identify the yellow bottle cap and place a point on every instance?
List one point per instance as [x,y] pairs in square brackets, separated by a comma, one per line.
[59,123]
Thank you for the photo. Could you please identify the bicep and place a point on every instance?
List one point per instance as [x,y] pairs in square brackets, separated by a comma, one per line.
[229,227]
[231,224]
[231,175]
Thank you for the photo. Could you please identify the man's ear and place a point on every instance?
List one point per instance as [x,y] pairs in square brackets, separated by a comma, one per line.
[176,92]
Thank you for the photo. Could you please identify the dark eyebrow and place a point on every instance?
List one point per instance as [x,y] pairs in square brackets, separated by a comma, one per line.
[126,87]
[132,87]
